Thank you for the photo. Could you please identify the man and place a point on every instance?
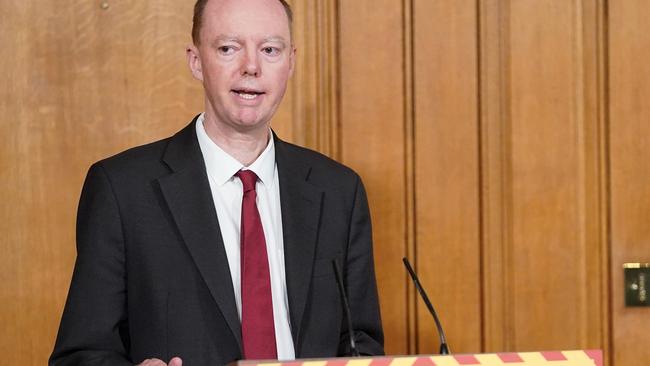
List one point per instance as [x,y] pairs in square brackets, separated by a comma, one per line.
[218,243]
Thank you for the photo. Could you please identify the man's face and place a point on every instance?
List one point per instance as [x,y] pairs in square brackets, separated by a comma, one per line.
[244,60]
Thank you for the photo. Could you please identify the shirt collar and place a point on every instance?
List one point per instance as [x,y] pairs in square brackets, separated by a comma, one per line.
[221,167]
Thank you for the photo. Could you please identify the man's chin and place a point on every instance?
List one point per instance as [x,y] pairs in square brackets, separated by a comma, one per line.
[245,123]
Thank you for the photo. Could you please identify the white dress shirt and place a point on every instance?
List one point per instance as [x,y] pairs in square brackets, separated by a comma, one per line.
[227,192]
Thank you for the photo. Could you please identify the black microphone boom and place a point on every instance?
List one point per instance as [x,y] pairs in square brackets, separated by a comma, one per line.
[444,350]
[346,308]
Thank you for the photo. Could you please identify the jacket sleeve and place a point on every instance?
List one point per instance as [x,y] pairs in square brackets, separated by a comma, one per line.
[361,287]
[94,326]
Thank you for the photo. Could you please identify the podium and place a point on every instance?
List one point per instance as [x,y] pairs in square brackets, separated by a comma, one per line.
[550,358]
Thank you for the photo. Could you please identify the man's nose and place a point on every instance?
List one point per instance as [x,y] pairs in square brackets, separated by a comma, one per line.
[251,64]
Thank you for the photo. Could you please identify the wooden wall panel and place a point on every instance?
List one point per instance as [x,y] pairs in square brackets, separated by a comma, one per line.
[373,141]
[544,181]
[446,172]
[78,83]
[503,145]
[550,250]
[629,130]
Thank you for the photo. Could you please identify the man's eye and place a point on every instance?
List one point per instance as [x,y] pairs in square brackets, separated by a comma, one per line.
[272,51]
[226,50]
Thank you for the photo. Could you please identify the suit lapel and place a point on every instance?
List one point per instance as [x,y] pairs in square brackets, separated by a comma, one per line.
[188,196]
[187,193]
[301,207]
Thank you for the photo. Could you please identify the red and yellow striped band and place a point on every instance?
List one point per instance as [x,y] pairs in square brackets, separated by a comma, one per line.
[552,358]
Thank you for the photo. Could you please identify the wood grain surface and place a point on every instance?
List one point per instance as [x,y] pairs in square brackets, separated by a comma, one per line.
[503,145]
[372,141]
[78,83]
[447,215]
[629,113]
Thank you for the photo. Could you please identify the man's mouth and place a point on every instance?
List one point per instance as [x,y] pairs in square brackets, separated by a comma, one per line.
[248,94]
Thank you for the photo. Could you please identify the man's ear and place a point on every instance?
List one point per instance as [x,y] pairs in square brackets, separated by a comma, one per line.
[194,62]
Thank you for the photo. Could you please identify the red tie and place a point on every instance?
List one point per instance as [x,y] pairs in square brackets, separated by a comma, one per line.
[258,329]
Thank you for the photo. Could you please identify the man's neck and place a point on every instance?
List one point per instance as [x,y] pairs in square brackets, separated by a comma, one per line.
[244,146]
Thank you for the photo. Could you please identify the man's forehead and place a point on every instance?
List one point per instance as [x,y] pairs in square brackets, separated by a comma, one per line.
[241,17]
[230,8]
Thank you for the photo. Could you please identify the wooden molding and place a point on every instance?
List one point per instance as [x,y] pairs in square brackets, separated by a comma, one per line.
[496,175]
[315,98]
[591,105]
[409,173]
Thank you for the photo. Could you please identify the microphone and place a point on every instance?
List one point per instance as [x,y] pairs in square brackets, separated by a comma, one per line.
[444,350]
[346,308]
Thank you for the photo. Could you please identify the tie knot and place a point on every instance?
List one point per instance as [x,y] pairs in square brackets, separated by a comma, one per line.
[248,179]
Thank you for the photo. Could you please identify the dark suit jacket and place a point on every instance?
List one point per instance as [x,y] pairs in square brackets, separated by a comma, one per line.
[151,277]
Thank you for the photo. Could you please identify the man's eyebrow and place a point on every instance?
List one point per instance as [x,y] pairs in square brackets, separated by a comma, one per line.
[236,38]
[227,37]
[275,39]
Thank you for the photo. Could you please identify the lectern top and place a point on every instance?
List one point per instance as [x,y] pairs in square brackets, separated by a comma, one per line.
[549,358]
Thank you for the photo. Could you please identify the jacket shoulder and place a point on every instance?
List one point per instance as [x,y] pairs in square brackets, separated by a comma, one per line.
[322,168]
[136,159]
[151,157]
